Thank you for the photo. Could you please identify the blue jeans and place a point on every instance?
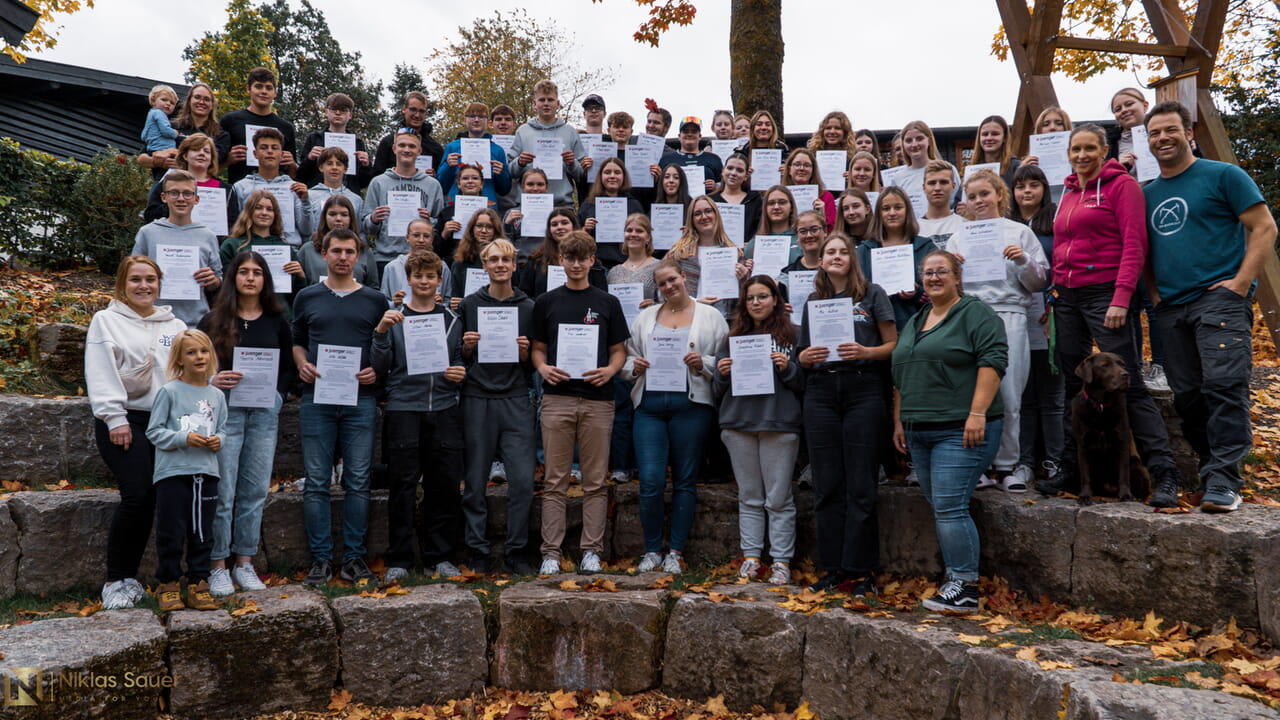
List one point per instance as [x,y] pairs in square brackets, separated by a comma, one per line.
[325,427]
[948,472]
[669,428]
[244,469]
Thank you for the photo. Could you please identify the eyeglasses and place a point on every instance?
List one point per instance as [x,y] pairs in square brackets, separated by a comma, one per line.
[703,213]
[415,111]
[759,298]
[936,273]
[180,194]
[780,202]
[810,230]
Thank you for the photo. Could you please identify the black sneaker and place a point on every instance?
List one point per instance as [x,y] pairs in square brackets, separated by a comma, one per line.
[356,570]
[1056,481]
[478,564]
[1167,487]
[517,566]
[321,572]
[954,596]
[829,581]
[860,587]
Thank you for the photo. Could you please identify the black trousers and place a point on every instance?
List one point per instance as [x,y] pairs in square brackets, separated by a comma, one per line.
[185,508]
[426,445]
[131,522]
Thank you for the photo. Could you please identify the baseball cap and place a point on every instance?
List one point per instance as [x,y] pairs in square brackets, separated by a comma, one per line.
[593,99]
[693,120]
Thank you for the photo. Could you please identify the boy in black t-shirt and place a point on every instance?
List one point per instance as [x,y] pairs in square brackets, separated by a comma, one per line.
[577,403]
[262,93]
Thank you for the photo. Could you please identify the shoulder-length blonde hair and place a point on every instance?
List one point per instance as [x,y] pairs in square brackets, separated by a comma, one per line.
[687,245]
[468,248]
[1003,155]
[922,127]
[764,227]
[195,141]
[868,225]
[813,160]
[823,288]
[122,274]
[1003,196]
[773,140]
[816,141]
[243,229]
[910,227]
[174,369]
[597,187]
[1053,110]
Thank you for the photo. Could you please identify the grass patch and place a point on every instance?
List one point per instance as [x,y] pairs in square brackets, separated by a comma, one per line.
[1037,634]
[1175,676]
[28,607]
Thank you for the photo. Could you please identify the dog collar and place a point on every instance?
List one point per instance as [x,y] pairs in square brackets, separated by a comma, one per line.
[1096,405]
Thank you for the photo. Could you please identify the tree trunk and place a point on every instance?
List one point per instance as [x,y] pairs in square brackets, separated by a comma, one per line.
[755,57]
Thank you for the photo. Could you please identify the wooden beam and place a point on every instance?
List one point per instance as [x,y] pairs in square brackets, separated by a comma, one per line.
[1127,47]
[1045,22]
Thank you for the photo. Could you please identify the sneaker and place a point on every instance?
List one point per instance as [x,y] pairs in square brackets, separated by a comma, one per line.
[1019,480]
[954,596]
[912,479]
[1055,482]
[575,474]
[336,480]
[320,574]
[621,477]
[198,597]
[170,596]
[749,569]
[117,595]
[985,481]
[780,573]
[357,571]
[863,587]
[517,566]
[220,584]
[590,563]
[447,569]
[1219,499]
[649,562]
[247,578]
[497,472]
[395,574]
[550,566]
[672,563]
[135,589]
[1166,490]
[479,564]
[1153,377]
[828,581]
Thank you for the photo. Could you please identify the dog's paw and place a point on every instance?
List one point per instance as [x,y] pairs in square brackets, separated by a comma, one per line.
[1085,500]
[1126,497]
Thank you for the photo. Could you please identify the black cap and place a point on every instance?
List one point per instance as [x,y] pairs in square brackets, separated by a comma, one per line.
[593,99]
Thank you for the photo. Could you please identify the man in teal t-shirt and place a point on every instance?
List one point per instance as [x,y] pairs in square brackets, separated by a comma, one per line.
[1209,231]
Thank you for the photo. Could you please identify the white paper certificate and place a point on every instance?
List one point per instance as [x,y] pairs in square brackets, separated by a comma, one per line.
[464,206]
[556,277]
[831,323]
[535,208]
[425,347]
[717,278]
[276,257]
[337,366]
[476,279]
[1050,150]
[1037,334]
[919,201]
[667,220]
[629,295]
[1148,168]
[475,151]
[285,198]
[724,148]
[832,165]
[347,142]
[799,288]
[598,151]
[179,264]
[804,195]
[969,170]
[734,219]
[647,151]
[498,327]
[665,351]
[259,369]
[872,197]
[893,268]
[404,210]
[423,163]
[249,132]
[982,245]
[752,369]
[504,141]
[211,211]
[765,169]
[771,253]
[577,347]
[696,177]
[547,156]
[611,219]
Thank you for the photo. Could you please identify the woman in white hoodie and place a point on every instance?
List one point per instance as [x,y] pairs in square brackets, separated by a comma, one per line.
[124,365]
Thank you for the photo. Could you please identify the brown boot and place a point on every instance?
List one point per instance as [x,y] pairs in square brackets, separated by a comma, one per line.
[198,597]
[170,596]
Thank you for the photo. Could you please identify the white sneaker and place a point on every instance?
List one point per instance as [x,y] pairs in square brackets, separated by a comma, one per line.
[1019,480]
[590,563]
[671,563]
[395,574]
[750,567]
[781,573]
[116,596]
[135,588]
[246,577]
[220,583]
[497,472]
[649,562]
[336,480]
[1153,377]
[620,476]
[447,569]
[912,479]
[550,566]
[576,474]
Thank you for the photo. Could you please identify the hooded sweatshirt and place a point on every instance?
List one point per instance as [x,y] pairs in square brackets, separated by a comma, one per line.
[494,187]
[1022,277]
[387,247]
[320,194]
[779,411]
[280,185]
[1100,234]
[429,392]
[495,380]
[526,137]
[120,344]
[164,233]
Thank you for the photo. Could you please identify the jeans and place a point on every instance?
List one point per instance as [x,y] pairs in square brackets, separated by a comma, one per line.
[843,419]
[566,419]
[131,522]
[763,463]
[426,445]
[244,467]
[622,455]
[498,429]
[948,472]
[326,428]
[669,429]
[1208,366]
[1041,416]
[185,508]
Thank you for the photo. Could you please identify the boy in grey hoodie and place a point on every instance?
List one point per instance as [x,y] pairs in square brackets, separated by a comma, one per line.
[403,177]
[267,148]
[179,231]
[546,102]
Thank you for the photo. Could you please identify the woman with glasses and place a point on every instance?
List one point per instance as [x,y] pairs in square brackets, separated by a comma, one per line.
[779,218]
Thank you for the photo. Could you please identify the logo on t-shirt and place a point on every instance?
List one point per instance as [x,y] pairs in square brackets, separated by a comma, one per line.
[1169,216]
[591,317]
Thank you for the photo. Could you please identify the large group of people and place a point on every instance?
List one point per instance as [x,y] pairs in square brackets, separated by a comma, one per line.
[597,303]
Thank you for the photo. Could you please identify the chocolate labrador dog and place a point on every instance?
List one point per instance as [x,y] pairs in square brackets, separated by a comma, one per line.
[1108,460]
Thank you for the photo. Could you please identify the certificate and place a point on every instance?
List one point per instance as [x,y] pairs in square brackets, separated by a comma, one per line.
[832,165]
[347,142]
[336,367]
[725,148]
[611,219]
[718,278]
[423,163]
[1037,334]
[982,245]
[475,151]
[259,369]
[734,219]
[577,347]
[873,197]
[831,323]
[555,277]
[668,221]
[250,131]
[498,328]
[425,348]
[476,279]
[889,175]
[969,170]
[647,151]
[404,210]
[752,369]
[276,257]
[665,350]
[894,268]
[547,155]
[629,295]
[1148,168]
[1050,150]
[919,201]
[504,141]
[211,211]
[770,254]
[598,151]
[464,206]
[179,264]
[799,288]
[536,208]
[804,195]
[285,198]
[696,177]
[765,169]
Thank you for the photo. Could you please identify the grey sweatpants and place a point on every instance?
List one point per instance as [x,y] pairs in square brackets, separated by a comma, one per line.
[497,429]
[763,463]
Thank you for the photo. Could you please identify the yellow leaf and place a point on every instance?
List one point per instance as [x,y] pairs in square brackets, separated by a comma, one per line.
[339,700]
[1151,625]
[248,607]
[804,713]
[1055,665]
[562,700]
[1244,667]
[716,597]
[1201,681]
[1027,653]
[997,624]
[1164,651]
[971,639]
[715,706]
[602,699]
[397,590]
[570,585]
